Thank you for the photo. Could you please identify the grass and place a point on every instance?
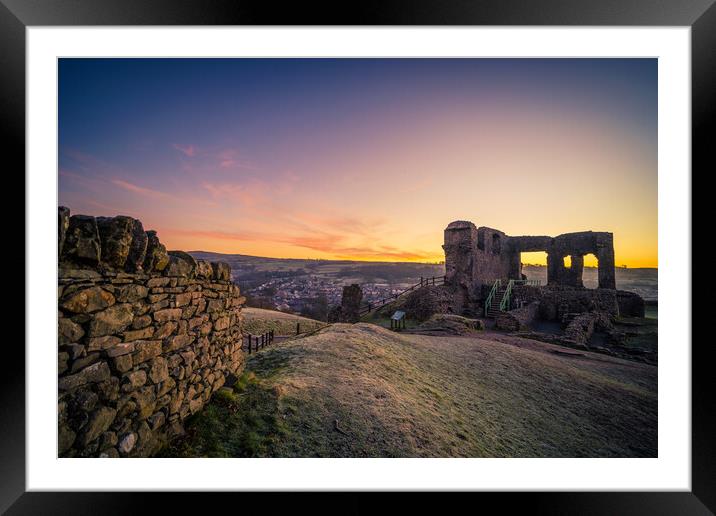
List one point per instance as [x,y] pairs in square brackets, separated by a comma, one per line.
[651,311]
[384,321]
[363,391]
[239,422]
[258,321]
[641,332]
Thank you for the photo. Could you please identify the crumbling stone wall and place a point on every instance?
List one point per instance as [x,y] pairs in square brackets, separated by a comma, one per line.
[576,246]
[580,328]
[145,336]
[519,318]
[476,257]
[556,301]
[630,304]
[421,304]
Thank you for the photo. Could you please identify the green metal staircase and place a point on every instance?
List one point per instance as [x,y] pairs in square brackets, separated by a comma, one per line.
[498,300]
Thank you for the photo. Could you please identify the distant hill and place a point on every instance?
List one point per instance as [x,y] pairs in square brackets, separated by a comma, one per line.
[244,258]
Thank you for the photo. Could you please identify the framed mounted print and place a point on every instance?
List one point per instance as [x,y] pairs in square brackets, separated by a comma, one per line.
[417,253]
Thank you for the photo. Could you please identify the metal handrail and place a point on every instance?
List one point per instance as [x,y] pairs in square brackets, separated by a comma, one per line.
[424,282]
[505,302]
[531,282]
[491,295]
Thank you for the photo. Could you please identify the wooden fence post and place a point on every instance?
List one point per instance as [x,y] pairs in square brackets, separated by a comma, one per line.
[249,337]
[257,343]
[298,328]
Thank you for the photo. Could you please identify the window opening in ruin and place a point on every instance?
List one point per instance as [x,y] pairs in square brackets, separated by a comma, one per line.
[495,243]
[534,265]
[567,262]
[481,240]
[590,274]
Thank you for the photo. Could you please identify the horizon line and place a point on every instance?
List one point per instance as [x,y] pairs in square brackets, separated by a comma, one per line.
[440,262]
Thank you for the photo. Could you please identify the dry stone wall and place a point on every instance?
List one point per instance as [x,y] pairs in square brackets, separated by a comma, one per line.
[145,336]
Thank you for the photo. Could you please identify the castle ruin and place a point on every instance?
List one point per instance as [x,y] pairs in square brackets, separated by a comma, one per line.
[481,255]
[475,257]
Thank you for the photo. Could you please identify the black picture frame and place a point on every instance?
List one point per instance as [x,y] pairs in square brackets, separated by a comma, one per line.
[700,15]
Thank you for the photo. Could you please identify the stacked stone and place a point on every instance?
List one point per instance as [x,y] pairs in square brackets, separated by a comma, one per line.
[556,301]
[519,318]
[145,337]
[581,326]
[630,304]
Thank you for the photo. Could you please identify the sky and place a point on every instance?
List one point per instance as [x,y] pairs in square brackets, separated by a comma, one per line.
[363,159]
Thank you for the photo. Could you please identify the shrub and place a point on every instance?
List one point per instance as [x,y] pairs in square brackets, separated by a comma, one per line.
[225,397]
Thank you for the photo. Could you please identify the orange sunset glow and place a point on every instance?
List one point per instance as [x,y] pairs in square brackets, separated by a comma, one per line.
[363,159]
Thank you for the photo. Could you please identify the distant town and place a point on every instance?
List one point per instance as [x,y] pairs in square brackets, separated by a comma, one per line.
[311,287]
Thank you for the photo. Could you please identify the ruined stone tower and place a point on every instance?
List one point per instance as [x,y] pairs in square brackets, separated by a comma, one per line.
[476,257]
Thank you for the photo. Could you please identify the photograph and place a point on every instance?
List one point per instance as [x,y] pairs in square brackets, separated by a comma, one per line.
[357,257]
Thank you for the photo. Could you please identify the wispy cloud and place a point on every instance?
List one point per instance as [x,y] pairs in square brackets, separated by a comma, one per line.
[147,192]
[247,195]
[244,236]
[231,159]
[332,244]
[336,245]
[71,175]
[187,150]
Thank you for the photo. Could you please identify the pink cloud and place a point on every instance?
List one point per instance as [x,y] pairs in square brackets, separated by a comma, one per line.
[219,235]
[247,195]
[228,159]
[81,157]
[334,244]
[71,175]
[147,192]
[338,223]
[252,191]
[187,150]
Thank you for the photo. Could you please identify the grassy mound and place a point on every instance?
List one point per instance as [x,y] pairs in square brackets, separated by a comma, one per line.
[449,324]
[363,391]
[258,321]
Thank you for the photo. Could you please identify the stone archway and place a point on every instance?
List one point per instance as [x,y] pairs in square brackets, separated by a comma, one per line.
[590,275]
